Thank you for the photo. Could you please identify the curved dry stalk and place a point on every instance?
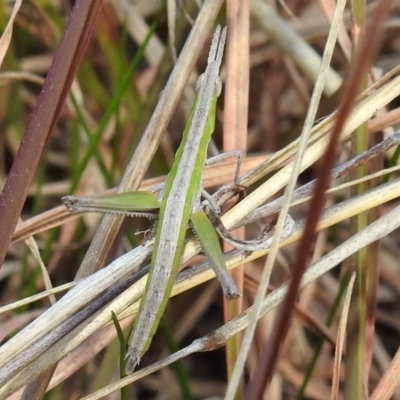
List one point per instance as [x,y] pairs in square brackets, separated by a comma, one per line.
[6,35]
[38,296]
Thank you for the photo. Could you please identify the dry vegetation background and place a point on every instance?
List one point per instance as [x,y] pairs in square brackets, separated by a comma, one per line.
[90,127]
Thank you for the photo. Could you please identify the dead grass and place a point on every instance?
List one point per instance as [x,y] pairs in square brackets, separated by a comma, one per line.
[103,132]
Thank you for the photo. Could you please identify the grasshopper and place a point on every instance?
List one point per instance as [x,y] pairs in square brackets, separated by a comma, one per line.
[180,204]
[180,195]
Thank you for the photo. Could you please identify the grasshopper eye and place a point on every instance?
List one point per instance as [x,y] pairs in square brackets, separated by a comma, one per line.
[218,86]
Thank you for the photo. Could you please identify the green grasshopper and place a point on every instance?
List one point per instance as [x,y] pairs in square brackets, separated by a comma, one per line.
[180,203]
